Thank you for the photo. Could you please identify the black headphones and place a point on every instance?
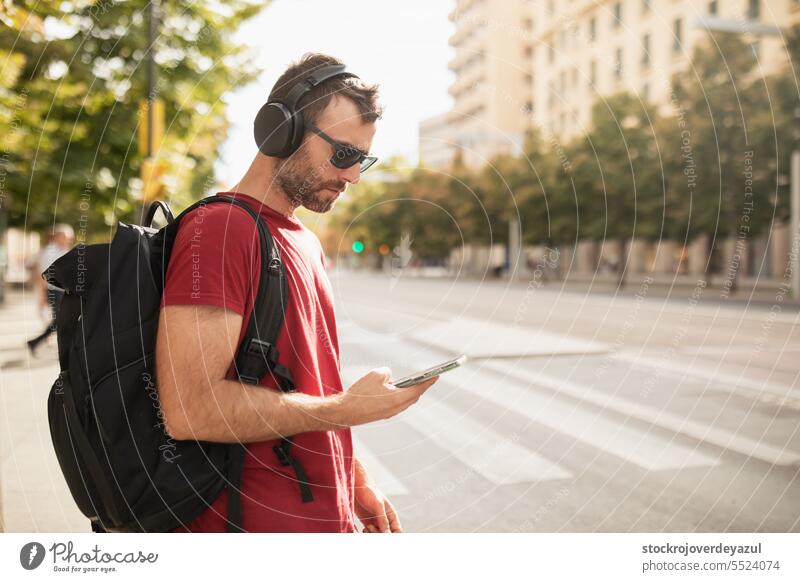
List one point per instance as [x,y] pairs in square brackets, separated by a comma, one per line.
[279,127]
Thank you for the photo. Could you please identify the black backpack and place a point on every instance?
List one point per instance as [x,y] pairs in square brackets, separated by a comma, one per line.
[124,471]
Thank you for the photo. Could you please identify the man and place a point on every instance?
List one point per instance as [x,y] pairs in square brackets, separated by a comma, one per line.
[49,296]
[207,301]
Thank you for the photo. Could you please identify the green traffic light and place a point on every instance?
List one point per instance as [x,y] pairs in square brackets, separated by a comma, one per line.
[358,246]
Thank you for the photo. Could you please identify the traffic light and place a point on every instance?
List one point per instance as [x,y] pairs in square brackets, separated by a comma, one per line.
[358,246]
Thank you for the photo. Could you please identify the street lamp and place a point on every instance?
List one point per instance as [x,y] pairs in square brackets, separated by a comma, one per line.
[151,121]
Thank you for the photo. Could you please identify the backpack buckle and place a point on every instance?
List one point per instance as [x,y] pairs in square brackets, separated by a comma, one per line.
[261,348]
[282,454]
[256,358]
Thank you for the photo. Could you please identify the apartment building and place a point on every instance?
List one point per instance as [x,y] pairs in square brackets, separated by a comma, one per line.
[585,49]
[492,91]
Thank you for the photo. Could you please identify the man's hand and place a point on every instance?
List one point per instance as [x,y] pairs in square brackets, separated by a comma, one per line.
[373,397]
[372,508]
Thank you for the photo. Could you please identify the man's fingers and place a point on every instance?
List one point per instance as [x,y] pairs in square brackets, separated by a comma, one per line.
[391,514]
[382,522]
[422,387]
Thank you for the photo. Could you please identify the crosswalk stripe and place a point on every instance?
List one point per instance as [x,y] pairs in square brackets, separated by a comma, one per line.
[497,458]
[378,472]
[661,418]
[706,373]
[649,451]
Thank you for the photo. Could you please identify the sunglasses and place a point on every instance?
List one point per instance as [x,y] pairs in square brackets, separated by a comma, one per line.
[344,155]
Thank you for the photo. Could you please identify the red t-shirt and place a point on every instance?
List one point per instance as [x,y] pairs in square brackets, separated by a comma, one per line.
[215,261]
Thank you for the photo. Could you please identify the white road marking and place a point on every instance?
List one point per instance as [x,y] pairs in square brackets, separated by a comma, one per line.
[709,374]
[649,451]
[497,458]
[673,422]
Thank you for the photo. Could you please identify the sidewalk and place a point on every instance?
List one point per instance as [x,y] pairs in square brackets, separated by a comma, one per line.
[33,494]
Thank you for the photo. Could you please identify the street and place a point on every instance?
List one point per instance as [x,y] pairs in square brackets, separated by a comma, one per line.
[575,412]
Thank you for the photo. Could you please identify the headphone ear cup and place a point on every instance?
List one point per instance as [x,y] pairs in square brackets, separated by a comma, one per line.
[274,130]
[299,130]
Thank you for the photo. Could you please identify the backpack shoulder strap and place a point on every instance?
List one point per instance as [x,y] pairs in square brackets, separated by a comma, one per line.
[257,356]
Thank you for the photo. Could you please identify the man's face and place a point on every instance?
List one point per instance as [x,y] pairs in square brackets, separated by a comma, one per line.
[307,176]
[62,240]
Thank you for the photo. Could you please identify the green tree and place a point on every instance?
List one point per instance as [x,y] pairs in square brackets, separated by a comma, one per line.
[619,176]
[720,105]
[83,75]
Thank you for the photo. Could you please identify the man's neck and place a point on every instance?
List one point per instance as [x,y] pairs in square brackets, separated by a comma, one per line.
[259,183]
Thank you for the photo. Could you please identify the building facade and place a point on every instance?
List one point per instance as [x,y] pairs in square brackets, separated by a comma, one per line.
[588,49]
[492,91]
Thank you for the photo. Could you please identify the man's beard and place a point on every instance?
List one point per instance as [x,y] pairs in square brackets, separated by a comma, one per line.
[298,180]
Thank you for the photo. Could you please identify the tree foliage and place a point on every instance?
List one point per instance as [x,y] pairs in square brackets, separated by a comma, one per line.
[73,75]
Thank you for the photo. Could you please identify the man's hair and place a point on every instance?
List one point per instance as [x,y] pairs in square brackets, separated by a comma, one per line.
[64,229]
[312,103]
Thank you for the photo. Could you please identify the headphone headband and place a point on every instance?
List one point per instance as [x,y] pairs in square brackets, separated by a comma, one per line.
[279,126]
[317,77]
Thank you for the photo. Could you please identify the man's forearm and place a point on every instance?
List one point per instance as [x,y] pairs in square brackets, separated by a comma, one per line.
[235,412]
[360,475]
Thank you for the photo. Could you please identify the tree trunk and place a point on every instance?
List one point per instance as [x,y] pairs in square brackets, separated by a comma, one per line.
[622,264]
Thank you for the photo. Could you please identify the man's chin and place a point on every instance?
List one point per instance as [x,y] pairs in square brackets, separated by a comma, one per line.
[320,206]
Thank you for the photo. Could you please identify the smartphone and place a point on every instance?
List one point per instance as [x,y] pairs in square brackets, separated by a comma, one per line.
[420,377]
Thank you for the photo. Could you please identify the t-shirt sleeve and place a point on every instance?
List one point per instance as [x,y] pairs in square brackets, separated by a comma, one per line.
[215,260]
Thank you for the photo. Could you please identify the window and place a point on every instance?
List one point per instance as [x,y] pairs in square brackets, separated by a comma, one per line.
[754,9]
[574,82]
[646,50]
[592,74]
[712,7]
[592,29]
[645,91]
[618,64]
[617,14]
[646,5]
[677,29]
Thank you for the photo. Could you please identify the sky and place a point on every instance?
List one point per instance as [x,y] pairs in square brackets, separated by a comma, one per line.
[402,46]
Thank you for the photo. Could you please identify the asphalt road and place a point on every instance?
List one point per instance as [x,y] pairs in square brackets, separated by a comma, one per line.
[579,413]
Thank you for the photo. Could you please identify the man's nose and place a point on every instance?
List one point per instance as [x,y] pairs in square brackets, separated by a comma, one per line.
[351,174]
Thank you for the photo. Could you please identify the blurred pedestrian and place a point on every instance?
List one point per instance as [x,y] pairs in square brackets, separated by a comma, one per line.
[49,297]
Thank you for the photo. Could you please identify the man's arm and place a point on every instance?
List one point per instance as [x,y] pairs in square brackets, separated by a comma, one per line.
[194,350]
